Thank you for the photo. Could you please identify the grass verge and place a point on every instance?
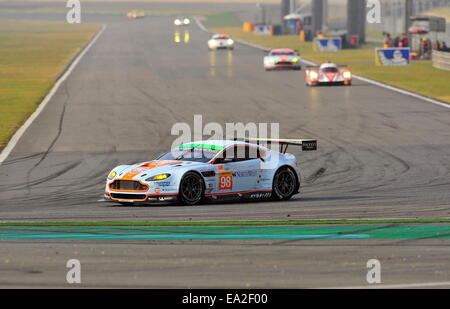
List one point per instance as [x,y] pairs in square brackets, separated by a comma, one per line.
[222,20]
[32,55]
[232,223]
[419,77]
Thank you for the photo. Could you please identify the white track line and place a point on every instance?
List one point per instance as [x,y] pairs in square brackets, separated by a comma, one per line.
[367,80]
[403,91]
[16,137]
[396,286]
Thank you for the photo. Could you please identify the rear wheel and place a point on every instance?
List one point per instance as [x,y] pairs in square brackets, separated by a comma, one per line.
[284,184]
[192,189]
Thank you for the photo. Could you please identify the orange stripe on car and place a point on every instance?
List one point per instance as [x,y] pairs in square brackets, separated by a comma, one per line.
[158,163]
[130,175]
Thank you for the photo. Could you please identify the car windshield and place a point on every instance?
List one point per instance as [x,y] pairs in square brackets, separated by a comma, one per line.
[194,154]
[330,70]
[221,38]
[283,54]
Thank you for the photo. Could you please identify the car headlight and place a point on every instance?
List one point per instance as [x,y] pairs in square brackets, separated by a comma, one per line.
[112,175]
[347,75]
[177,22]
[313,75]
[187,21]
[295,60]
[230,42]
[158,177]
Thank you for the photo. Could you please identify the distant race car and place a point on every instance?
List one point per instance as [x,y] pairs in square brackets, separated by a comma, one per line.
[220,41]
[135,14]
[215,170]
[282,59]
[328,73]
[182,21]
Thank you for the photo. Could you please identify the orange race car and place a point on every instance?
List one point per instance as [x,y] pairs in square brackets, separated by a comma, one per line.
[135,14]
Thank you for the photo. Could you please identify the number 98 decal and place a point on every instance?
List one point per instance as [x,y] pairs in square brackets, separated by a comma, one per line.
[225,180]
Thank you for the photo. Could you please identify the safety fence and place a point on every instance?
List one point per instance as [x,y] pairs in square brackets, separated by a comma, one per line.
[441,60]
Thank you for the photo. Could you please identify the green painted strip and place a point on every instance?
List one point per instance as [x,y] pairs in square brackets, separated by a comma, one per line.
[380,232]
[202,146]
[227,223]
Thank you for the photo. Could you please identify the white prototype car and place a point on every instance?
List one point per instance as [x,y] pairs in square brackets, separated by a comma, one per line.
[220,41]
[182,21]
[328,74]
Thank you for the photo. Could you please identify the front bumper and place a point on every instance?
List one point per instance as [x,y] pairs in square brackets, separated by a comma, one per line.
[284,66]
[222,47]
[141,198]
[342,82]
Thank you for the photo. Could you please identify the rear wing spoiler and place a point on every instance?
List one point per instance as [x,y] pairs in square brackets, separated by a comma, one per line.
[318,66]
[306,144]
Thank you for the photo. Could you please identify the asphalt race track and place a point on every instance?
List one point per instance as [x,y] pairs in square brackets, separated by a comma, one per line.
[381,155]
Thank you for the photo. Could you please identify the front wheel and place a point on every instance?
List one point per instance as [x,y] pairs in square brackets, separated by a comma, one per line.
[284,184]
[191,189]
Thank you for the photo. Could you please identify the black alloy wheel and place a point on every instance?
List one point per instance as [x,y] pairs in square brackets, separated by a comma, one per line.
[284,184]
[192,189]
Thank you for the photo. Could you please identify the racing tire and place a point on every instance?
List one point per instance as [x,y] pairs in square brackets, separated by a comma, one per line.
[192,189]
[285,184]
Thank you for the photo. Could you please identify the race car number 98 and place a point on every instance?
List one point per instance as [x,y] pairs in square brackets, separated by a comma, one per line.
[225,181]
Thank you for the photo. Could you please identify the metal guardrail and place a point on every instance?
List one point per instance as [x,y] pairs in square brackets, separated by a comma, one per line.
[441,60]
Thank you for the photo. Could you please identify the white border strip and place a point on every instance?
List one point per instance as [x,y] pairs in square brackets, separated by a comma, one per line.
[396,286]
[16,137]
[367,80]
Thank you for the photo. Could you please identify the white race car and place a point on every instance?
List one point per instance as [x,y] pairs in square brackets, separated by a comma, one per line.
[282,59]
[182,21]
[220,41]
[328,73]
[217,170]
